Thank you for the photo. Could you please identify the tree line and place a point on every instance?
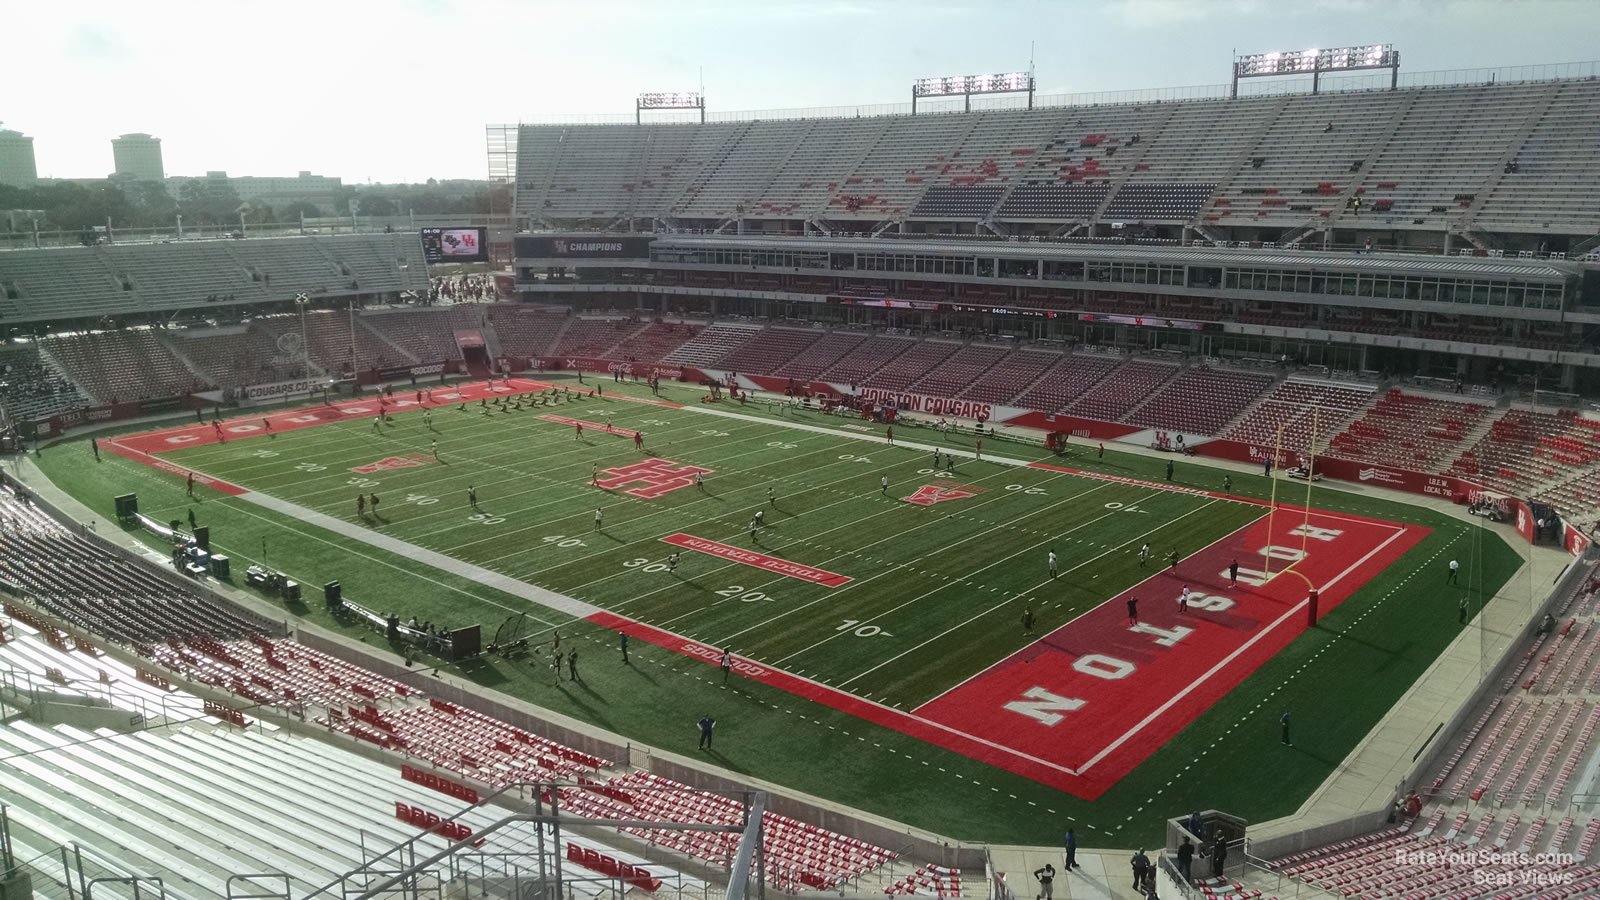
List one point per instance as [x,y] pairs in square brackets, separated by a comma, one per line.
[71,205]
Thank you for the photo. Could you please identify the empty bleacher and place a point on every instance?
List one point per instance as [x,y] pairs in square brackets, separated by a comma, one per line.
[960,369]
[427,334]
[654,342]
[865,358]
[34,386]
[909,367]
[176,276]
[1416,157]
[49,282]
[1524,448]
[198,801]
[1408,430]
[712,344]
[378,263]
[331,336]
[773,348]
[1557,176]
[1302,408]
[1008,377]
[283,266]
[235,356]
[594,337]
[800,856]
[1066,381]
[819,356]
[113,366]
[1121,390]
[1200,401]
[527,331]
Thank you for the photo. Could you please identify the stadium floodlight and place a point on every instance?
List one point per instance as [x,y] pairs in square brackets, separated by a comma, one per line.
[967,85]
[1314,62]
[670,100]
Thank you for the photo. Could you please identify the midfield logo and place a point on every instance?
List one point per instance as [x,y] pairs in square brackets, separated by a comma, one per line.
[929,494]
[393,462]
[659,477]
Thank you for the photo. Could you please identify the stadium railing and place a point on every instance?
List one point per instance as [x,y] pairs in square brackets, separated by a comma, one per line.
[999,889]
[1297,249]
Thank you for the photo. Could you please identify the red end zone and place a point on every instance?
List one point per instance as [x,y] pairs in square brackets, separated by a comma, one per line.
[1100,694]
[1085,705]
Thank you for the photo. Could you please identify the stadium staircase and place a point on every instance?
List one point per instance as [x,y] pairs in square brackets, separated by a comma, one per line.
[614,351]
[1148,386]
[1037,380]
[1241,160]
[1251,407]
[1129,167]
[53,364]
[753,203]
[1480,429]
[709,172]
[379,335]
[175,348]
[1514,146]
[819,216]
[1353,185]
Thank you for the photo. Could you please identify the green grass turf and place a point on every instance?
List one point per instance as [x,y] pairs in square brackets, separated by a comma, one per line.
[921,573]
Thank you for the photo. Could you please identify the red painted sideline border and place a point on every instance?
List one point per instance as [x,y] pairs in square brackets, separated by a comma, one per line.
[939,735]
[758,560]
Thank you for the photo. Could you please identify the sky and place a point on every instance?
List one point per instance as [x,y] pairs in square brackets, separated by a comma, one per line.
[401,90]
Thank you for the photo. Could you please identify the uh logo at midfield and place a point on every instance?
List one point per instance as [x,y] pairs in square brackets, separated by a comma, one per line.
[655,477]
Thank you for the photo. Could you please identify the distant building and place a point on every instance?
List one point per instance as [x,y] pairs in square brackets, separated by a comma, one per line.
[16,159]
[314,189]
[317,189]
[138,158]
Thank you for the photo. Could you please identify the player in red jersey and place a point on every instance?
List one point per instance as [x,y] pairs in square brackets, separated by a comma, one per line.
[638,440]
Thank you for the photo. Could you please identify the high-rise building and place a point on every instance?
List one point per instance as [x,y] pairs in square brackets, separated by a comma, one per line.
[138,157]
[16,159]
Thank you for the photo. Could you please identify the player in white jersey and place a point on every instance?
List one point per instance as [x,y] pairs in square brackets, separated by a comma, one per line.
[1052,564]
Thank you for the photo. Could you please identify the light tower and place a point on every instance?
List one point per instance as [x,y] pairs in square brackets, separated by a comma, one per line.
[966,85]
[1315,62]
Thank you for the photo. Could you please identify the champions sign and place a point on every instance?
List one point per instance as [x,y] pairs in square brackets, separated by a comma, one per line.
[933,406]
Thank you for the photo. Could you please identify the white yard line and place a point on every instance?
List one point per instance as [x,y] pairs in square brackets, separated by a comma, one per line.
[951,583]
[1014,597]
[381,562]
[779,580]
[759,501]
[540,596]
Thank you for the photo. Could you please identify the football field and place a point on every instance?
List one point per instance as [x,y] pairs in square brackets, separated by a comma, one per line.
[911,592]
